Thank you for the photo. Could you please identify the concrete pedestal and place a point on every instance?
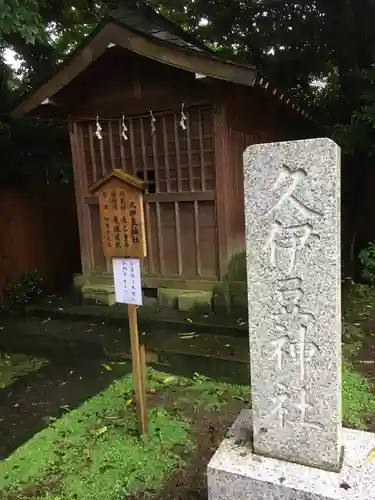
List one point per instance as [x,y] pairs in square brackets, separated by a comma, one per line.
[235,473]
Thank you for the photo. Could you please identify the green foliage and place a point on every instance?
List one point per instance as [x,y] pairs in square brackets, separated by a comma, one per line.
[25,290]
[358,402]
[209,394]
[15,366]
[367,259]
[21,17]
[95,452]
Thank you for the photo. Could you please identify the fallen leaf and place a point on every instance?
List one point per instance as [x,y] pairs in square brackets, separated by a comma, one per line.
[370,456]
[129,402]
[101,431]
[169,379]
[189,320]
[107,367]
[227,345]
[188,336]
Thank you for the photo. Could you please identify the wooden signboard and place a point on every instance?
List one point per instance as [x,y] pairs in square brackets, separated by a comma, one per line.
[121,215]
[123,239]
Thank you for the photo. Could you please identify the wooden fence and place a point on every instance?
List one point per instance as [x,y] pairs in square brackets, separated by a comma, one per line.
[39,231]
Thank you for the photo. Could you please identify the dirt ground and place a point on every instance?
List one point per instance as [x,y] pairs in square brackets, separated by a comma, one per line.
[210,427]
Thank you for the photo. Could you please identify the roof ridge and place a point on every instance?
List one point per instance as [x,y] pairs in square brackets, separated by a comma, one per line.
[142,9]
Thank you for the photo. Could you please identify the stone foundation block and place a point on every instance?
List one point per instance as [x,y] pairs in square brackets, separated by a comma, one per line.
[99,294]
[167,297]
[195,300]
[235,473]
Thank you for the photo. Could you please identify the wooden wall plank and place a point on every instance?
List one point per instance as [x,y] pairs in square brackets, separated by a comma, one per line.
[221,162]
[143,150]
[84,223]
[178,237]
[111,147]
[102,157]
[92,153]
[132,147]
[155,163]
[197,239]
[160,238]
[190,158]
[122,148]
[166,154]
[178,157]
[201,150]
[150,257]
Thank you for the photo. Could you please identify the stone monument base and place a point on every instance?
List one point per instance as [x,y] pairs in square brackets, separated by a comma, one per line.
[235,473]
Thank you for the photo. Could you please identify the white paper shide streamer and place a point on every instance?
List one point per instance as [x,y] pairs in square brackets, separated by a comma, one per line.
[99,129]
[124,129]
[183,117]
[153,121]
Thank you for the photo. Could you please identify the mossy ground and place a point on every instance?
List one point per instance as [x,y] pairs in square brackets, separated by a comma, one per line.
[14,366]
[95,452]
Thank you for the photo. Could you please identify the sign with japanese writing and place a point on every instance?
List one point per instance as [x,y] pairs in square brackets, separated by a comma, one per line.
[128,284]
[121,215]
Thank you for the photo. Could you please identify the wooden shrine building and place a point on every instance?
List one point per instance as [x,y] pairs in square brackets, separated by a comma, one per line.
[177,116]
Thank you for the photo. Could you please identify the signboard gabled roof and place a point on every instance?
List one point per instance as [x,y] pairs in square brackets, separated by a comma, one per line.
[122,176]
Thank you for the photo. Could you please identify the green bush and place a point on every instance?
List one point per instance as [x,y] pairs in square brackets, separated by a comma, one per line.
[25,290]
[367,259]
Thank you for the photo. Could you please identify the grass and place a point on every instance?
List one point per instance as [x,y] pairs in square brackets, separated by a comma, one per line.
[14,366]
[94,451]
[358,400]
[202,392]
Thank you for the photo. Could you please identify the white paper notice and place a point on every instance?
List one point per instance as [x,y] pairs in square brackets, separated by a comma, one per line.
[128,285]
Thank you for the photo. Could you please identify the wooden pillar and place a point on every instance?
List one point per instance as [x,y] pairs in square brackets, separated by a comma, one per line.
[221,166]
[80,185]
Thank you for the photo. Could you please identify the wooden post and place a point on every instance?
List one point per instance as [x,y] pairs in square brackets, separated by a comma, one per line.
[124,239]
[139,370]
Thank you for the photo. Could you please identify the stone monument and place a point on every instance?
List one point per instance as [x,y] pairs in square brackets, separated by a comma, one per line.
[292,445]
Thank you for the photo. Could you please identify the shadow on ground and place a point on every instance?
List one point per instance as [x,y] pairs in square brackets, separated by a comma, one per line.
[32,402]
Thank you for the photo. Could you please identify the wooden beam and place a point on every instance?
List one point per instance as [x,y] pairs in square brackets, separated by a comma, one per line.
[76,64]
[167,197]
[221,166]
[192,61]
[82,210]
[175,282]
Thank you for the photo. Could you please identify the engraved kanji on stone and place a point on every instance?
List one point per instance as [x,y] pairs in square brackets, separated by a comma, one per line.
[279,402]
[290,296]
[285,175]
[290,240]
[304,407]
[285,347]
